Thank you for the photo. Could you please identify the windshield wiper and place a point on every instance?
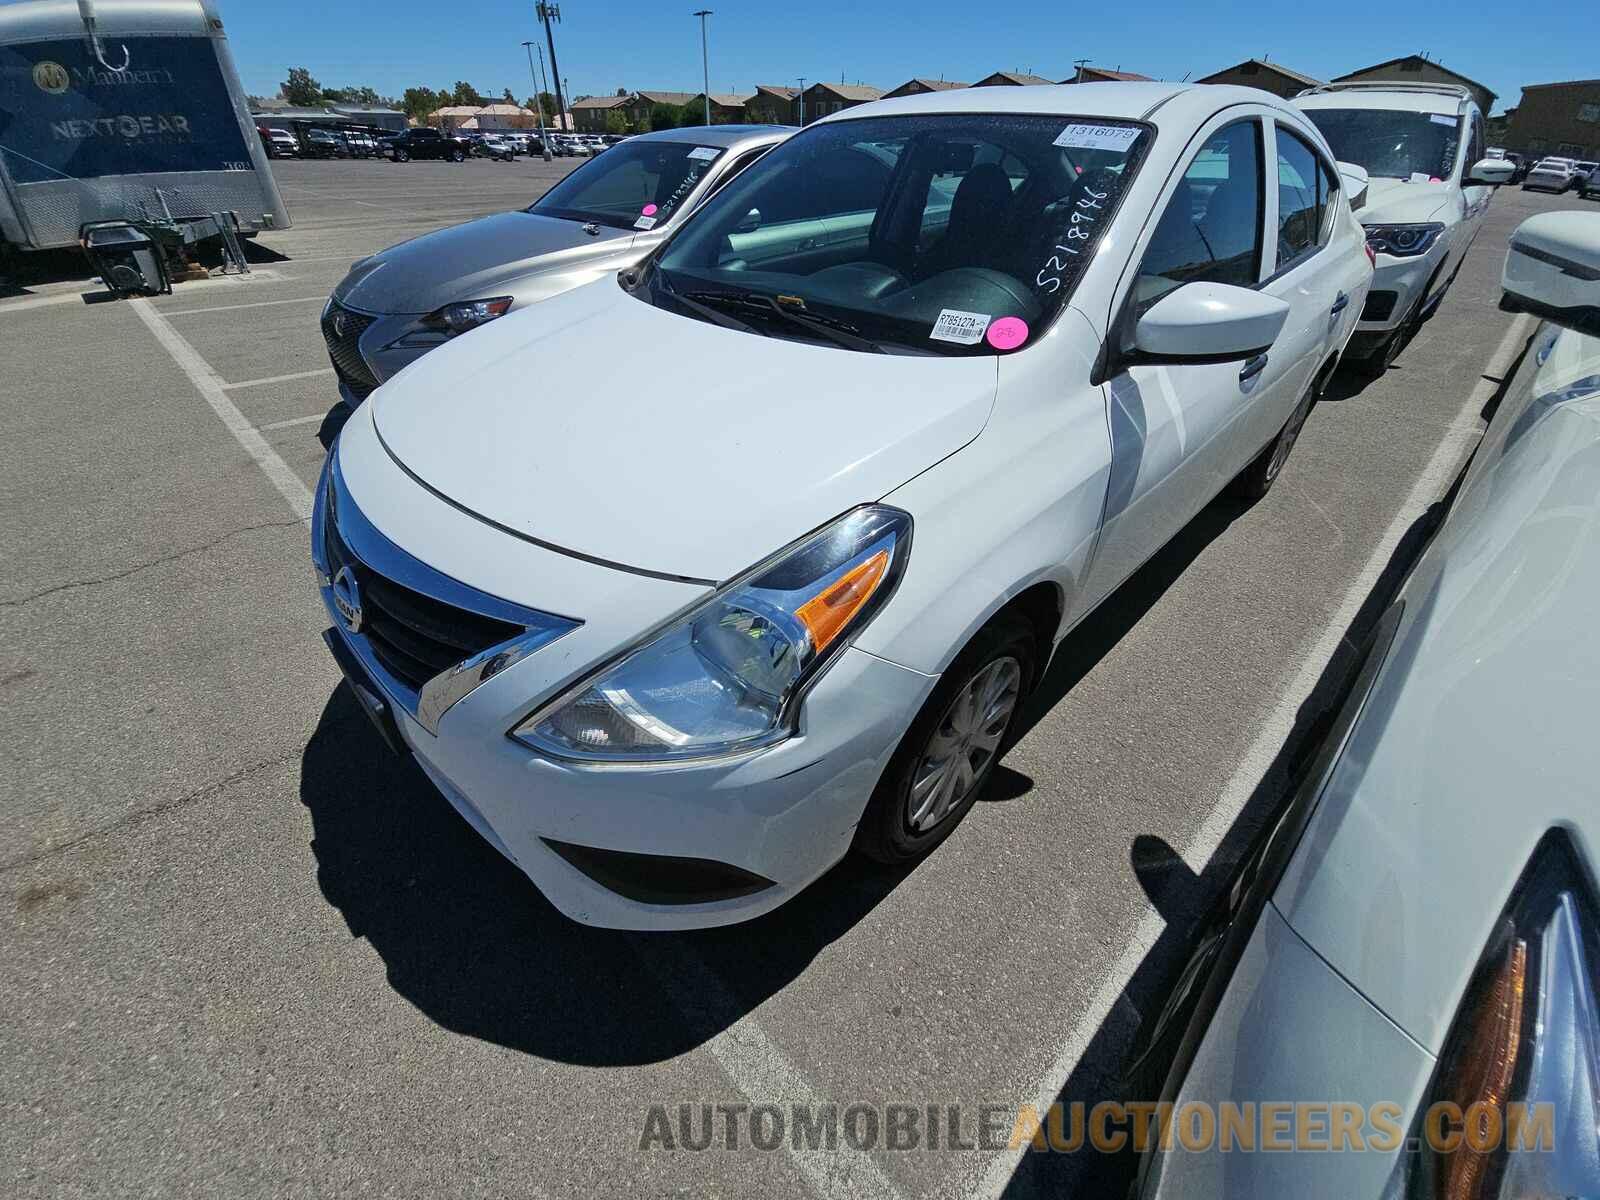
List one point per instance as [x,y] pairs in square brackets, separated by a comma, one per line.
[841,333]
[705,310]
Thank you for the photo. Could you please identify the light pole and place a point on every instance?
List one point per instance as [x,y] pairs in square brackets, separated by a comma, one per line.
[538,103]
[550,14]
[802,98]
[705,61]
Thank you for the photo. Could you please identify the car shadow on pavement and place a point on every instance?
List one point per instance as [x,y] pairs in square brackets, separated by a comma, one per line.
[470,941]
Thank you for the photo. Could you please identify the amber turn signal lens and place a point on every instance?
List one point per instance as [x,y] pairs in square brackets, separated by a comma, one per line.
[828,612]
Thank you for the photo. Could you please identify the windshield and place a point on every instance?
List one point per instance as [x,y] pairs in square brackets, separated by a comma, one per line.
[638,185]
[1390,144]
[947,234]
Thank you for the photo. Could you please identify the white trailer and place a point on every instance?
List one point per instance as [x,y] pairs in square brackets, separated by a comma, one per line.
[123,109]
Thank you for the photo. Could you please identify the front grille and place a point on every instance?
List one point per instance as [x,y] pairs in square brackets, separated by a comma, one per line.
[414,636]
[345,349]
[1379,306]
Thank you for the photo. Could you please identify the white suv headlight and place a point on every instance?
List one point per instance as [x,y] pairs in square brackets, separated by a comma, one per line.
[728,676]
[1404,241]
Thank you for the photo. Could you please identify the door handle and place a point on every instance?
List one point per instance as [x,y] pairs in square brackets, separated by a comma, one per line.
[1253,367]
[1339,305]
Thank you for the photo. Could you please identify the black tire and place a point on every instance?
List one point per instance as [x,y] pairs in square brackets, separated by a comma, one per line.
[886,833]
[401,155]
[1256,480]
[457,156]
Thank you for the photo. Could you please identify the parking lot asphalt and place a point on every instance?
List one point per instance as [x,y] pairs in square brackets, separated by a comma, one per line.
[249,953]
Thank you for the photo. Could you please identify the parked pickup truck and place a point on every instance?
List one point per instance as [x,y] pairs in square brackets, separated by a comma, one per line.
[424,143]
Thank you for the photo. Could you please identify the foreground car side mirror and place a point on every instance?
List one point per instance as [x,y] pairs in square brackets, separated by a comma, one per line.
[1355,181]
[1553,270]
[1490,172]
[750,222]
[1208,323]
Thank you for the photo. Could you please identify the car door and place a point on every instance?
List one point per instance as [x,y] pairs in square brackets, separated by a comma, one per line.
[1474,198]
[1174,427]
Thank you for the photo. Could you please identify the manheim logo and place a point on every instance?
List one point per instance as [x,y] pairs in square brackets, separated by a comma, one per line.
[51,77]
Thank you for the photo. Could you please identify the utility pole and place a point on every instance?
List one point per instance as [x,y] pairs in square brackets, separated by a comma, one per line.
[549,14]
[802,99]
[705,61]
[538,104]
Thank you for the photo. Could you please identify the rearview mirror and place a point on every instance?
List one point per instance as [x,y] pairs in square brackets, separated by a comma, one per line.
[1208,323]
[1553,270]
[1490,172]
[750,222]
[1354,179]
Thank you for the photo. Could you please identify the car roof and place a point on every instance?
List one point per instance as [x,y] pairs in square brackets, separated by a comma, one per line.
[716,135]
[1384,99]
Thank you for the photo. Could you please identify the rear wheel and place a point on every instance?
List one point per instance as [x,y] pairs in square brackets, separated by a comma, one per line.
[457,156]
[947,755]
[401,154]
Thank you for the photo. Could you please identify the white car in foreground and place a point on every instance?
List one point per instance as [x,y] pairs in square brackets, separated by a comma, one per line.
[682,583]
[1430,186]
[1408,970]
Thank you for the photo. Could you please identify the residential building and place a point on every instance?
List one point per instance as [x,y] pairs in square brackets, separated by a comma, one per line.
[825,99]
[591,112]
[1011,79]
[920,87]
[1416,68]
[773,105]
[726,108]
[1557,118]
[640,103]
[1088,74]
[1268,76]
[483,117]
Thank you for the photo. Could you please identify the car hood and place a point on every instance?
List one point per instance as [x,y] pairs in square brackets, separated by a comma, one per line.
[460,262]
[1397,202]
[601,425]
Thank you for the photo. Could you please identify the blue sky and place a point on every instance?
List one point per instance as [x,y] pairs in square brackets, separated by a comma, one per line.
[607,44]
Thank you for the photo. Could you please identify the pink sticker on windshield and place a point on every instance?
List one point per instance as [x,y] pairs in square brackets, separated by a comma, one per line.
[1007,333]
[649,210]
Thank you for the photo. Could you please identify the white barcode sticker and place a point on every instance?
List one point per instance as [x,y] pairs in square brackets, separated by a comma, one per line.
[704,152]
[962,328]
[645,223]
[1438,119]
[1097,137]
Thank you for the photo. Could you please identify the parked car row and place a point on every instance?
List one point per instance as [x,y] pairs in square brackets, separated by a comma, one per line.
[1560,175]
[318,143]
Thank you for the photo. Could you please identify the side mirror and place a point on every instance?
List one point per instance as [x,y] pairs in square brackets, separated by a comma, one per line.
[1208,323]
[1354,179]
[750,222]
[1553,270]
[1490,172]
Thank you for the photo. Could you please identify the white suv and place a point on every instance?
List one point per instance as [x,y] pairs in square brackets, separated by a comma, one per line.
[1422,145]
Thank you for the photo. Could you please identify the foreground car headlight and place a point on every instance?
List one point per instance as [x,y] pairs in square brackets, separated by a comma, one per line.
[728,676]
[1514,1108]
[467,314]
[1404,241]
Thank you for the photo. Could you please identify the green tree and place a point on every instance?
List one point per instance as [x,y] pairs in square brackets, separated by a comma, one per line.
[465,93]
[300,89]
[664,116]
[508,98]
[615,121]
[418,102]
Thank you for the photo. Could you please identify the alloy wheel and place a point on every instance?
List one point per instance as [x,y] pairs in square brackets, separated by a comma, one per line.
[964,744]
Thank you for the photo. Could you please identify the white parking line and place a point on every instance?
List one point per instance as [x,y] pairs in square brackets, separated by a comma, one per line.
[211,387]
[292,421]
[760,1070]
[1459,438]
[244,383]
[187,312]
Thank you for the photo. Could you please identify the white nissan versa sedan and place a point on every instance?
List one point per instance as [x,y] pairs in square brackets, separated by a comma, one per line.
[1412,958]
[1430,186]
[762,562]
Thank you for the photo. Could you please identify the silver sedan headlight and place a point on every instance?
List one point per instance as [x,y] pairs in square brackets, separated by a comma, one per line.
[728,676]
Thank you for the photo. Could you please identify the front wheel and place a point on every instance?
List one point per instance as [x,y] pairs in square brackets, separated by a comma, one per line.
[456,156]
[950,750]
[1256,480]
[402,156]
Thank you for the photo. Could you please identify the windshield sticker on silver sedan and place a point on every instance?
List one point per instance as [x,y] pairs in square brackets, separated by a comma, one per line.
[645,223]
[1097,137]
[704,152]
[962,328]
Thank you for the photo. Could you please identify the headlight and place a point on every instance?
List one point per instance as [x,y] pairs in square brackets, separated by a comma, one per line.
[1517,1093]
[729,675]
[468,314]
[1404,241]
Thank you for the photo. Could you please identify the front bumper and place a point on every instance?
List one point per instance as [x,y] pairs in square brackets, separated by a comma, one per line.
[1399,286]
[783,815]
